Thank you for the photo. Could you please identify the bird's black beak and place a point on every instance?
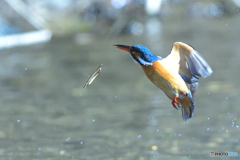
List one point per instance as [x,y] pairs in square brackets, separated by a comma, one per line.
[123,47]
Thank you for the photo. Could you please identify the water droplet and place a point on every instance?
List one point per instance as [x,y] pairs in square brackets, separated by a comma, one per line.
[226,98]
[207,129]
[208,93]
[80,94]
[228,113]
[226,130]
[18,120]
[226,24]
[179,134]
[39,149]
[81,142]
[68,139]
[208,118]
[157,130]
[153,156]
[25,69]
[139,136]
[237,126]
[93,120]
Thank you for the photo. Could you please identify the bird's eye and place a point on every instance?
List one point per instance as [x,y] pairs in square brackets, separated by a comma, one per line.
[131,50]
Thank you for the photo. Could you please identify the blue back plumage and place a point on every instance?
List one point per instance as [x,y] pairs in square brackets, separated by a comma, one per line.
[146,58]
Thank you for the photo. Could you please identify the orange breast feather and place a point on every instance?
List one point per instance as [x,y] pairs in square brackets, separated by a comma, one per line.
[166,78]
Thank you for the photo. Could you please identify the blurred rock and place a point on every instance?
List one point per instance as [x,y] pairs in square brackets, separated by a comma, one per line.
[119,17]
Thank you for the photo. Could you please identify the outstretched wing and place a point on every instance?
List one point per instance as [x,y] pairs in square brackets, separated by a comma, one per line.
[190,64]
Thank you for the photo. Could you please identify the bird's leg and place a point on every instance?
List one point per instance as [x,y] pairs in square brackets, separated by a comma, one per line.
[175,102]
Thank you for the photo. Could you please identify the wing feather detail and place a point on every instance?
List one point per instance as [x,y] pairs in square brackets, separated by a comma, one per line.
[191,65]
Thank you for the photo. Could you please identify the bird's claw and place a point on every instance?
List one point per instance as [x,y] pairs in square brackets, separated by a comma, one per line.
[175,103]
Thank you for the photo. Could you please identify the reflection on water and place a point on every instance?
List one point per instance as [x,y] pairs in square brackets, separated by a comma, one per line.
[45,112]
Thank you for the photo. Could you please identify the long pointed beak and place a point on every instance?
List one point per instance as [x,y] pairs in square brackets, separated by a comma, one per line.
[123,47]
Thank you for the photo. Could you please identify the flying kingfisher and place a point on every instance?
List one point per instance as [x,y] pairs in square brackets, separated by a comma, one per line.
[177,75]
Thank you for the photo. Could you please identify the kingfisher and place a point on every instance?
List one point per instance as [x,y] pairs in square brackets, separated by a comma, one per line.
[177,75]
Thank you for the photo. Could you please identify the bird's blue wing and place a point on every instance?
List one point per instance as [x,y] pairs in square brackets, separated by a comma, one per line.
[191,65]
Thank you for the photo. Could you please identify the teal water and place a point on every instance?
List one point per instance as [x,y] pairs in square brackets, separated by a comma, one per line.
[46,113]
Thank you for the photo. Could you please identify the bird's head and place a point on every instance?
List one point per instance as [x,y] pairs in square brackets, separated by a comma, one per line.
[139,53]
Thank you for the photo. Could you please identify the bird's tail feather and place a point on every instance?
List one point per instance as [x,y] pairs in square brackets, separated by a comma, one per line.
[187,106]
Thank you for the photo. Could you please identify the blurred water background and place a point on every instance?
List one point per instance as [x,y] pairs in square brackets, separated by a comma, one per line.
[46,113]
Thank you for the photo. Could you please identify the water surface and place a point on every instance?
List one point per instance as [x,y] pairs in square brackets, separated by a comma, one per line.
[46,113]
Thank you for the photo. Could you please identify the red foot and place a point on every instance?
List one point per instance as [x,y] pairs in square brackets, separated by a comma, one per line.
[175,102]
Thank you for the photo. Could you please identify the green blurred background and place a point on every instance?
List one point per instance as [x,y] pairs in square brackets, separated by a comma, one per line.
[46,113]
